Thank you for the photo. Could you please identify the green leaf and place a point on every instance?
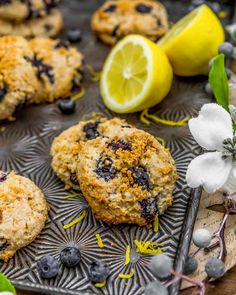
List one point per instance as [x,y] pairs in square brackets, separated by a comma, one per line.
[219,81]
[5,285]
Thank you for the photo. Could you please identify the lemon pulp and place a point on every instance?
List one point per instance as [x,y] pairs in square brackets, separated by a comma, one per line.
[136,75]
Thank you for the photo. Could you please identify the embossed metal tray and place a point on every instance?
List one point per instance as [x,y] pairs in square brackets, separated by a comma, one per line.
[24,147]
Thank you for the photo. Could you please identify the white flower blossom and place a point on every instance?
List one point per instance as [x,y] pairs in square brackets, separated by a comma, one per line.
[216,169]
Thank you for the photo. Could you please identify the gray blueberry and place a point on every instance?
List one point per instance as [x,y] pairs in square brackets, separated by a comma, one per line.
[48,267]
[215,268]
[98,271]
[70,256]
[190,266]
[202,238]
[227,49]
[155,288]
[161,266]
[208,89]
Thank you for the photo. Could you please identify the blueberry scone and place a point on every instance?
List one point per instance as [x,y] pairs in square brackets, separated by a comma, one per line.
[23,213]
[116,19]
[66,147]
[18,82]
[128,178]
[57,66]
[18,11]
[47,26]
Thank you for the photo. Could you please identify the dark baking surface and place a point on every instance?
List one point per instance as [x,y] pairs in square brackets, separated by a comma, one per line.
[24,147]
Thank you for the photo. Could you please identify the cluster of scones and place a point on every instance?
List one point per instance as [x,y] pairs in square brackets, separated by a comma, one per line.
[30,18]
[125,174]
[36,71]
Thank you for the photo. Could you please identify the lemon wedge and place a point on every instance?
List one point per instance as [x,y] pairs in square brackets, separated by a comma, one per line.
[193,41]
[136,75]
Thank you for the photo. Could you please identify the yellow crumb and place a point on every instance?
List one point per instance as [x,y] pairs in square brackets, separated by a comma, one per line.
[127,276]
[127,255]
[66,226]
[100,242]
[101,285]
[156,224]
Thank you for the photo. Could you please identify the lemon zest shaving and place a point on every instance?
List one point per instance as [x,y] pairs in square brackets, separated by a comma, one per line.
[148,247]
[100,242]
[127,255]
[143,119]
[80,218]
[156,224]
[79,94]
[101,285]
[71,196]
[160,140]
[163,121]
[127,276]
[222,14]
[95,76]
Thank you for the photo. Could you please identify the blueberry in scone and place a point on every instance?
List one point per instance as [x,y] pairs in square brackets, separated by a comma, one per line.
[57,66]
[66,147]
[126,178]
[47,26]
[18,83]
[23,213]
[116,19]
[18,11]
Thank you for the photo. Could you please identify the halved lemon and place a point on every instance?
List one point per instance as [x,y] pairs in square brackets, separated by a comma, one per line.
[135,76]
[193,41]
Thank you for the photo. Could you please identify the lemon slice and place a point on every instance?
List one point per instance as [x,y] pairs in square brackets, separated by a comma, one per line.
[135,76]
[193,41]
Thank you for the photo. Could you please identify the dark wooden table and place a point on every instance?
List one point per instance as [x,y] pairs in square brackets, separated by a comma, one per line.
[224,286]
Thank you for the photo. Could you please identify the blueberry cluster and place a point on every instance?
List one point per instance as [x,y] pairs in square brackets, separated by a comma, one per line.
[105,168]
[149,209]
[120,144]
[91,130]
[42,69]
[140,176]
[48,266]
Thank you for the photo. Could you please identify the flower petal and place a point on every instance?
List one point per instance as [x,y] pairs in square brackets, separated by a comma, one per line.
[230,185]
[211,127]
[208,170]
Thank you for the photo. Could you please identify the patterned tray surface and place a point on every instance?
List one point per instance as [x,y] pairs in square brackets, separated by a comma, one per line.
[24,147]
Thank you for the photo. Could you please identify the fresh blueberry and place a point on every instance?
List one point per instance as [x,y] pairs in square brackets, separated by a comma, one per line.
[3,92]
[208,89]
[70,256]
[202,238]
[98,271]
[155,288]
[3,176]
[3,245]
[120,144]
[215,268]
[215,6]
[142,8]
[140,176]
[227,49]
[105,169]
[74,178]
[190,266]
[110,8]
[62,44]
[67,106]
[149,208]
[161,266]
[48,267]
[74,35]
[91,130]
